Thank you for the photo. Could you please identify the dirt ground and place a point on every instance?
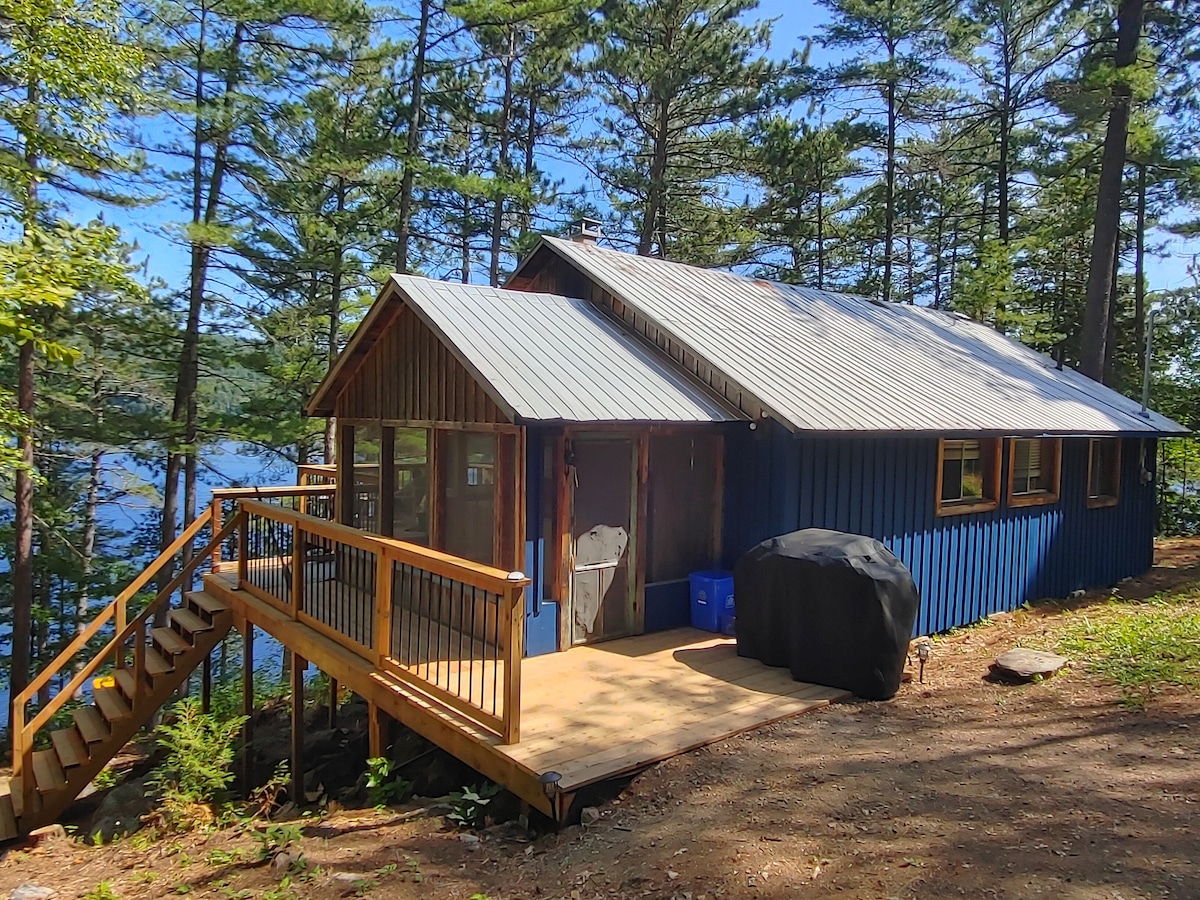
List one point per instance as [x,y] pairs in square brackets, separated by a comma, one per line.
[958,786]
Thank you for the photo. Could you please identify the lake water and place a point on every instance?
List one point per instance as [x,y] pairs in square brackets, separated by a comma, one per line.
[221,466]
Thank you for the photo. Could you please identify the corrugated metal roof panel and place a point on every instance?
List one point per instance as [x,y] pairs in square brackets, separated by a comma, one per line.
[822,361]
[551,358]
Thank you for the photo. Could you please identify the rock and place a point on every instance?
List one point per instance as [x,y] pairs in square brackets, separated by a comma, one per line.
[47,833]
[589,816]
[121,811]
[1024,663]
[31,891]
[469,839]
[283,861]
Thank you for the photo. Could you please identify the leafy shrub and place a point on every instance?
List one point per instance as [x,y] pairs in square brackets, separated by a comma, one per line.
[383,787]
[197,769]
[468,807]
[275,838]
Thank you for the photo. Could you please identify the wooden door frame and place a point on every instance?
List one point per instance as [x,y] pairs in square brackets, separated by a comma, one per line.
[565,514]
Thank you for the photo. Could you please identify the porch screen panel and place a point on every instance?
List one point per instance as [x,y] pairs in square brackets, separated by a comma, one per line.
[368,442]
[684,504]
[410,503]
[468,495]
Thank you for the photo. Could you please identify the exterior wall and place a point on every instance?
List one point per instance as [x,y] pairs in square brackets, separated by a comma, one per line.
[410,375]
[966,566]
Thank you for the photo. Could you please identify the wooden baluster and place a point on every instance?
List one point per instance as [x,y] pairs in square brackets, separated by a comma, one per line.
[243,546]
[298,556]
[513,650]
[383,607]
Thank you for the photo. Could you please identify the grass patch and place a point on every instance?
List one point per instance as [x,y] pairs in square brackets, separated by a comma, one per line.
[1140,646]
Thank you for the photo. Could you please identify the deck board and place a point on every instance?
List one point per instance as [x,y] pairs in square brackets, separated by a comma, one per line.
[591,713]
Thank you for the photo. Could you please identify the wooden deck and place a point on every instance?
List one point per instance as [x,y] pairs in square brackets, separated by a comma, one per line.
[589,714]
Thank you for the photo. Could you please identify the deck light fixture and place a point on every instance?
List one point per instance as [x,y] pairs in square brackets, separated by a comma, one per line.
[924,651]
[549,782]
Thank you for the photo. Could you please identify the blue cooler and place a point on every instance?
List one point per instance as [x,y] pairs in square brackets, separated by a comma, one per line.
[712,600]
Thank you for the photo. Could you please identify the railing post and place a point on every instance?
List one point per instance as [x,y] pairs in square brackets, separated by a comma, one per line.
[217,513]
[383,606]
[243,550]
[298,541]
[139,660]
[513,651]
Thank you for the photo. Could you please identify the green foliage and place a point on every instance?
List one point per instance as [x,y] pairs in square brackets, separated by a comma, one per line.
[384,787]
[469,806]
[276,838]
[1140,646]
[197,768]
[102,891]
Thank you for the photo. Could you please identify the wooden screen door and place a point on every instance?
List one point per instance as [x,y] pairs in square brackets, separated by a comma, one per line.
[602,538]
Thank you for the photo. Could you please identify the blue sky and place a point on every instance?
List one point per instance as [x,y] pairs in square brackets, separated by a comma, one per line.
[795,20]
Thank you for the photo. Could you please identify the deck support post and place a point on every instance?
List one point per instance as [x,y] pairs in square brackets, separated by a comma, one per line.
[375,730]
[297,773]
[206,684]
[247,703]
[333,698]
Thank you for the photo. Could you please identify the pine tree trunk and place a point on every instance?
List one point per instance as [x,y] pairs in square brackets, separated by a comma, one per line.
[1139,270]
[412,139]
[656,193]
[502,167]
[1108,197]
[889,188]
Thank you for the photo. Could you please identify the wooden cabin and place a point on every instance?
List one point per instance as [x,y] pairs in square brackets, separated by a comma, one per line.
[526,477]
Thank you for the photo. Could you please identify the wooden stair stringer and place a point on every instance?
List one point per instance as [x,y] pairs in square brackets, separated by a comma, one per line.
[54,803]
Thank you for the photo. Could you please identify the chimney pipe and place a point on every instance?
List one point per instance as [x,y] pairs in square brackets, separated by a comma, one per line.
[585,231]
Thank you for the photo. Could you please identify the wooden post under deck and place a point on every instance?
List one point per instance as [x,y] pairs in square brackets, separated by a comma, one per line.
[375,731]
[297,782]
[247,703]
[333,699]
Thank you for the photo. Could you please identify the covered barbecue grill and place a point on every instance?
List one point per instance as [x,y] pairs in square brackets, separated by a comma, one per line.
[836,609]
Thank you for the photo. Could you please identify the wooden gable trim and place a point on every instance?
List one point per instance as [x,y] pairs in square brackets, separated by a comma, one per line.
[410,373]
[377,319]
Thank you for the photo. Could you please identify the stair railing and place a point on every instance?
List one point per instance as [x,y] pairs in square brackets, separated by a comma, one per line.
[23,735]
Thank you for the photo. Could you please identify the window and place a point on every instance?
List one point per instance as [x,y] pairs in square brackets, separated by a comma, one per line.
[1033,471]
[968,476]
[1104,472]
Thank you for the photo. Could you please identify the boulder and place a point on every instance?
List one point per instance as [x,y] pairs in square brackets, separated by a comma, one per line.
[121,811]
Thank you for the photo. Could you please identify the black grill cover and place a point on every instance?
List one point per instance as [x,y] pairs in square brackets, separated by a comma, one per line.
[837,609]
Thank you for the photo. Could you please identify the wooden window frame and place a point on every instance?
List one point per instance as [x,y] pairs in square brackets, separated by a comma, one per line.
[1034,498]
[1103,500]
[963,507]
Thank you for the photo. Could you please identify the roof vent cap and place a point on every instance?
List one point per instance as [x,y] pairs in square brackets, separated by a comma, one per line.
[585,231]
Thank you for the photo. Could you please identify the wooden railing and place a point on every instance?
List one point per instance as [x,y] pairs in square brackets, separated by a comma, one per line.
[316,473]
[450,628]
[319,500]
[116,652]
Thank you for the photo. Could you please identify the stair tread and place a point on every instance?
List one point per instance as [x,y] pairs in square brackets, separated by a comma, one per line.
[156,665]
[47,772]
[189,621]
[170,640]
[112,705]
[14,790]
[127,682]
[70,747]
[91,724]
[8,819]
[206,602]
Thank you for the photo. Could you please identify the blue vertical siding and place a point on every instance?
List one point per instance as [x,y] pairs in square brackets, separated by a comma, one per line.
[966,566]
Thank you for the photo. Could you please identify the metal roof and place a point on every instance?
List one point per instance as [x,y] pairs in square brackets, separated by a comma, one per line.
[822,361]
[550,358]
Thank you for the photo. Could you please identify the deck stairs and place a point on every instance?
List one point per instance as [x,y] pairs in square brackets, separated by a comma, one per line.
[75,754]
